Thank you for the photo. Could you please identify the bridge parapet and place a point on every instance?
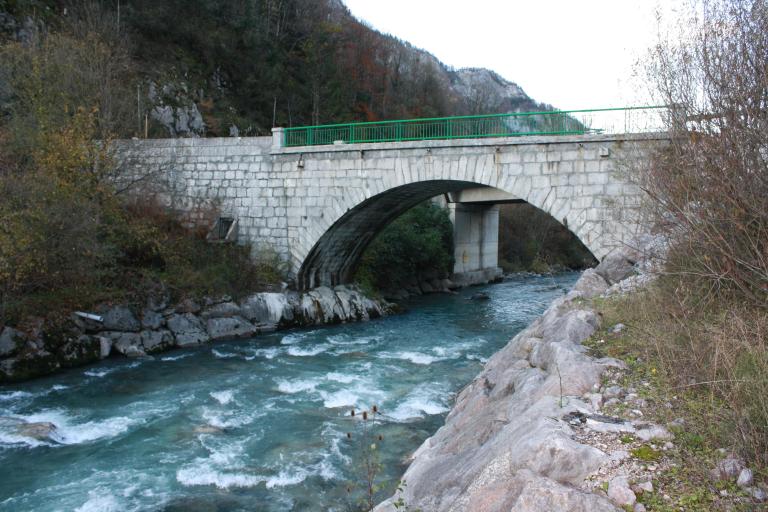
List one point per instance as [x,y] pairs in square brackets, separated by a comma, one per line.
[626,120]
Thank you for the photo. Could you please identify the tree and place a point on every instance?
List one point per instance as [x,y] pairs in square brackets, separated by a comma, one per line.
[417,243]
[711,183]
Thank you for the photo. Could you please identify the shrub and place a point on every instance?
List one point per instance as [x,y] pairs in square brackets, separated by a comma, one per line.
[710,195]
[418,243]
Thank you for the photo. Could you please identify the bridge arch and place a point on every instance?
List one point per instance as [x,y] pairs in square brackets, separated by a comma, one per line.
[334,257]
[569,181]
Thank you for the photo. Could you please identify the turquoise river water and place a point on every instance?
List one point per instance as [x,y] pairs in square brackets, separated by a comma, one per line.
[257,424]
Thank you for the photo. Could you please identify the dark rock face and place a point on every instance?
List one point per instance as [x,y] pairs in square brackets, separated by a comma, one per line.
[28,365]
[82,350]
[188,306]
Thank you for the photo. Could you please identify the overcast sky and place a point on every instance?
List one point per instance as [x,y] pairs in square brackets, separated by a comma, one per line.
[574,54]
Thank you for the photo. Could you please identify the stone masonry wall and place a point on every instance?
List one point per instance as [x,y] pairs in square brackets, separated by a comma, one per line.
[234,173]
[293,198]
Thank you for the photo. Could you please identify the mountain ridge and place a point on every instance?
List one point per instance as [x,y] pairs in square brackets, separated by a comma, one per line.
[241,67]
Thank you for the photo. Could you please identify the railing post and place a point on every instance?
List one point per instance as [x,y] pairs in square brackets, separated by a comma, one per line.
[278,138]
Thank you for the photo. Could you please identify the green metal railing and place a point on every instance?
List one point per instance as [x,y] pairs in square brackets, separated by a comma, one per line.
[558,122]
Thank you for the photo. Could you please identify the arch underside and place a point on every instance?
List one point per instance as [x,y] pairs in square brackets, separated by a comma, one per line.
[334,257]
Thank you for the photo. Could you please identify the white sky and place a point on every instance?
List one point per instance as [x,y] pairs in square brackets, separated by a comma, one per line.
[574,54]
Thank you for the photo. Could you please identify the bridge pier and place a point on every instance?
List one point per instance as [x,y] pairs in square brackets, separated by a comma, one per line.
[475,242]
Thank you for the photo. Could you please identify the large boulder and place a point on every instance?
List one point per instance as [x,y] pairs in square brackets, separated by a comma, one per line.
[10,341]
[40,431]
[229,328]
[151,319]
[126,343]
[187,329]
[590,284]
[354,305]
[105,346]
[321,306]
[617,265]
[156,341]
[575,326]
[121,318]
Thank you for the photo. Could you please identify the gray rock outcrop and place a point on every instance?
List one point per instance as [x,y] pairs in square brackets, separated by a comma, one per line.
[221,310]
[156,341]
[91,337]
[151,319]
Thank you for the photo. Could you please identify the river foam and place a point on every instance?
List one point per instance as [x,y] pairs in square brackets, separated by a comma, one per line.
[68,430]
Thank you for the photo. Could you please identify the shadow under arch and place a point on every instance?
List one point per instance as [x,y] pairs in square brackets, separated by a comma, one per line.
[334,258]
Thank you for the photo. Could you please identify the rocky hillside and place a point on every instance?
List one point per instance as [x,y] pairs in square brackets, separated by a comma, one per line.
[239,68]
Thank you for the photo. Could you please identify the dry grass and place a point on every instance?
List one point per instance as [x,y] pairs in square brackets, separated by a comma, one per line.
[713,361]
[706,321]
[672,367]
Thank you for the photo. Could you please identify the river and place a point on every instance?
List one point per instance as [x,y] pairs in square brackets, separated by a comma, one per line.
[258,424]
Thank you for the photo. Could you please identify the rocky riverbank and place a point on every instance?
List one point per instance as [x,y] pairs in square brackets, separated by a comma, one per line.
[127,331]
[516,438]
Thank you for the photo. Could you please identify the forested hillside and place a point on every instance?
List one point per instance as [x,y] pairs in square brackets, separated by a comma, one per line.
[216,68]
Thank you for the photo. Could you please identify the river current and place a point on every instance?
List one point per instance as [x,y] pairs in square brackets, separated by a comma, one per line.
[258,424]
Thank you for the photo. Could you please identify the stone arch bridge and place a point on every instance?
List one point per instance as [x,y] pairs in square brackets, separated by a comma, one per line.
[320,206]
